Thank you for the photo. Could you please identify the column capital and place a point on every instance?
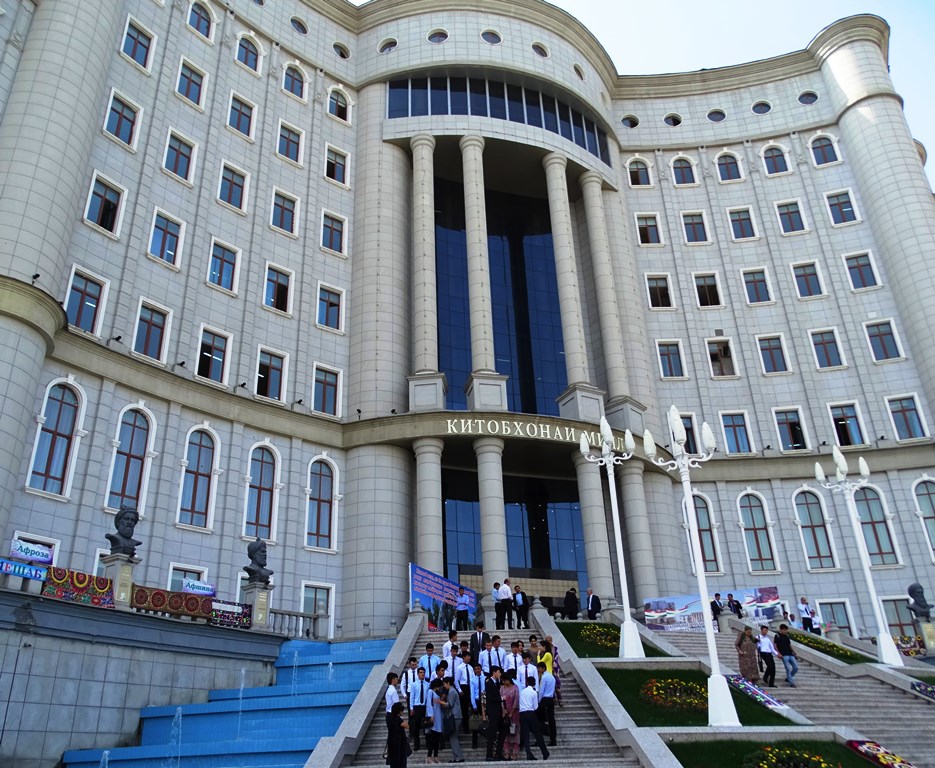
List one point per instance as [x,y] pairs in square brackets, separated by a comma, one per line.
[488,445]
[632,469]
[471,141]
[422,139]
[554,159]
[580,461]
[591,177]
[428,445]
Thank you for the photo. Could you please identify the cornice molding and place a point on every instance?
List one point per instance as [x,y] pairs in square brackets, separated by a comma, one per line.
[32,306]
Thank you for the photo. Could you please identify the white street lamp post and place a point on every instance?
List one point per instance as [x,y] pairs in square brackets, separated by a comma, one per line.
[631,647]
[887,652]
[721,710]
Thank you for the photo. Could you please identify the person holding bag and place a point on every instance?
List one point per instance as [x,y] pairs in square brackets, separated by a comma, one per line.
[509,694]
[451,704]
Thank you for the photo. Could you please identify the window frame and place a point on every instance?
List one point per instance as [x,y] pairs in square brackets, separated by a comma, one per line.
[730,223]
[74,441]
[260,53]
[338,390]
[254,116]
[691,433]
[245,194]
[823,293]
[766,279]
[147,68]
[746,426]
[887,522]
[336,497]
[662,372]
[147,463]
[225,366]
[132,145]
[785,353]
[835,145]
[284,374]
[851,198]
[299,161]
[793,232]
[714,523]
[174,265]
[919,414]
[102,300]
[296,213]
[235,279]
[216,473]
[294,64]
[637,215]
[884,599]
[873,270]
[739,161]
[341,309]
[346,184]
[202,92]
[704,224]
[837,343]
[858,415]
[776,410]
[785,154]
[651,183]
[722,340]
[270,265]
[107,181]
[920,513]
[826,526]
[820,603]
[212,17]
[338,88]
[647,276]
[694,171]
[33,538]
[901,354]
[192,160]
[275,495]
[768,525]
[166,331]
[201,570]
[331,588]
[717,287]
[345,232]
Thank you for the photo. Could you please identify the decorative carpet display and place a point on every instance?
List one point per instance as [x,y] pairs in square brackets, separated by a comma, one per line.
[78,587]
[176,603]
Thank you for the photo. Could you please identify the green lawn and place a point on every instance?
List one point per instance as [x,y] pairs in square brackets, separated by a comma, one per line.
[610,637]
[626,684]
[731,754]
[923,677]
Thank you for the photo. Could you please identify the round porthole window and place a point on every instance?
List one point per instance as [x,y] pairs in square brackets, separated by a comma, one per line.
[672,119]
[299,26]
[579,71]
[808,97]
[717,116]
[761,107]
[540,50]
[341,50]
[260,3]
[388,46]
[437,36]
[489,36]
[630,121]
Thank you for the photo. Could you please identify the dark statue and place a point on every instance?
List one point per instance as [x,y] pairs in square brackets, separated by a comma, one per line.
[919,605]
[257,572]
[122,542]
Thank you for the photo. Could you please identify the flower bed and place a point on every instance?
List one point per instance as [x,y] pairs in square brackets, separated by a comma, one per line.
[597,640]
[786,757]
[878,754]
[910,645]
[725,753]
[672,693]
[828,648]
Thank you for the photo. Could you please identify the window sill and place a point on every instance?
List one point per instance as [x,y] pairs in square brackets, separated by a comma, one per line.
[248,137]
[712,306]
[819,166]
[175,177]
[913,440]
[329,416]
[136,64]
[832,368]
[761,303]
[221,288]
[698,242]
[114,511]
[687,185]
[286,232]
[291,95]
[795,451]
[329,329]
[823,570]
[651,245]
[778,373]
[777,174]
[663,309]
[192,104]
[335,182]
[321,550]
[199,36]
[222,385]
[843,224]
[83,332]
[162,262]
[131,148]
[674,378]
[194,528]
[337,119]
[814,297]
[867,288]
[745,239]
[731,377]
[278,312]
[891,567]
[115,236]
[147,359]
[339,254]
[230,207]
[795,232]
[740,454]
[45,494]
[290,161]
[731,181]
[255,72]
[771,572]
[888,360]
[855,447]
[269,400]
[248,539]
[641,186]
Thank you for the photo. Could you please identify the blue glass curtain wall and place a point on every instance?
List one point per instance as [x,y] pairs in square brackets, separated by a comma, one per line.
[528,343]
[479,97]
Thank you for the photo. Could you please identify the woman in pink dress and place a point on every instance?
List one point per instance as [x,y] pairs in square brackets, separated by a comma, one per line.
[510,695]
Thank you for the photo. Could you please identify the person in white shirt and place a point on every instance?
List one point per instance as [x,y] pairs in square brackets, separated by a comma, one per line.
[452,643]
[767,652]
[807,614]
[546,692]
[409,677]
[392,695]
[515,659]
[418,699]
[529,721]
[429,661]
[506,602]
[527,670]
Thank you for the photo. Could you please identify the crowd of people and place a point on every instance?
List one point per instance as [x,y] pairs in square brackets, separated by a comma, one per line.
[475,688]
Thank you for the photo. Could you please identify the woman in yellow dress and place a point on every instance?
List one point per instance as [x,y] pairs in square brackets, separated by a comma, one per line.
[545,655]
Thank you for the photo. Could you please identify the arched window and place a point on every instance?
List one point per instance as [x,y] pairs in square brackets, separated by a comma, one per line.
[814,530]
[756,534]
[823,151]
[775,161]
[683,171]
[56,435]
[294,82]
[728,168]
[706,535]
[197,479]
[639,174]
[126,480]
[248,54]
[199,19]
[260,494]
[337,105]
[925,499]
[876,529]
[320,505]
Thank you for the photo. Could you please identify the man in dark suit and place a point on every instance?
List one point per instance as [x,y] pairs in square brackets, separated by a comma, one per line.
[521,607]
[716,605]
[478,641]
[492,714]
[570,605]
[593,604]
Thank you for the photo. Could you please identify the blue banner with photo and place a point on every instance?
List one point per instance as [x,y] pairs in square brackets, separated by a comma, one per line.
[439,597]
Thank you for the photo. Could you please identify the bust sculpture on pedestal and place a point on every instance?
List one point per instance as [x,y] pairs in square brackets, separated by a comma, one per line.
[257,572]
[122,542]
[920,607]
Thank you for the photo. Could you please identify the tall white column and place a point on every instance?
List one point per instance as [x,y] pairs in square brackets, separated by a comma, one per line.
[639,538]
[594,527]
[430,533]
[605,285]
[489,452]
[424,299]
[566,273]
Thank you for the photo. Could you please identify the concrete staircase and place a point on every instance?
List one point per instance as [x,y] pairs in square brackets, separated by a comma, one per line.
[900,721]
[582,738]
[272,727]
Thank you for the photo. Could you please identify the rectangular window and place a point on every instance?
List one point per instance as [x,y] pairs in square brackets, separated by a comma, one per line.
[790,217]
[691,444]
[336,166]
[316,600]
[846,424]
[841,208]
[277,289]
[104,205]
[883,343]
[807,280]
[647,227]
[825,344]
[191,83]
[212,356]
[735,433]
[899,618]
[121,120]
[835,613]
[269,375]
[290,143]
[720,357]
[741,224]
[707,291]
[907,421]
[179,153]
[860,271]
[178,574]
[772,354]
[756,286]
[329,308]
[240,117]
[477,88]
[659,294]
[791,433]
[695,231]
[137,44]
[332,233]
[326,391]
[284,212]
[223,271]
[233,187]
[84,301]
[670,359]
[164,242]
[150,332]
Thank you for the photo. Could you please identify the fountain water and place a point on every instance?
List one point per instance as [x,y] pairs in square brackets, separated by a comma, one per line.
[243,680]
[174,751]
[105,759]
[330,672]
[295,670]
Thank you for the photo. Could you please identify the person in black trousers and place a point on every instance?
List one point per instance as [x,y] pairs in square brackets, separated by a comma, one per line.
[529,720]
[767,652]
[492,714]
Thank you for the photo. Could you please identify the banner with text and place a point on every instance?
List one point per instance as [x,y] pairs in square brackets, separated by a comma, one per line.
[438,596]
[682,613]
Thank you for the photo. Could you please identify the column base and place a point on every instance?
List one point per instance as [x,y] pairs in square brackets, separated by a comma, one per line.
[486,391]
[257,595]
[581,402]
[427,392]
[626,413]
[119,569]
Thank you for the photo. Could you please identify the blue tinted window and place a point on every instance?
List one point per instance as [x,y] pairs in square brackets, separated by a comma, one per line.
[602,146]
[533,110]
[564,120]
[439,96]
[459,102]
[497,100]
[515,98]
[590,131]
[399,99]
[419,96]
[549,113]
[577,122]
[478,97]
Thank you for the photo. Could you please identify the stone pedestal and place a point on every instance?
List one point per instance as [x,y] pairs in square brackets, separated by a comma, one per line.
[723,622]
[119,569]
[927,631]
[834,635]
[427,392]
[257,595]
[486,392]
[582,402]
